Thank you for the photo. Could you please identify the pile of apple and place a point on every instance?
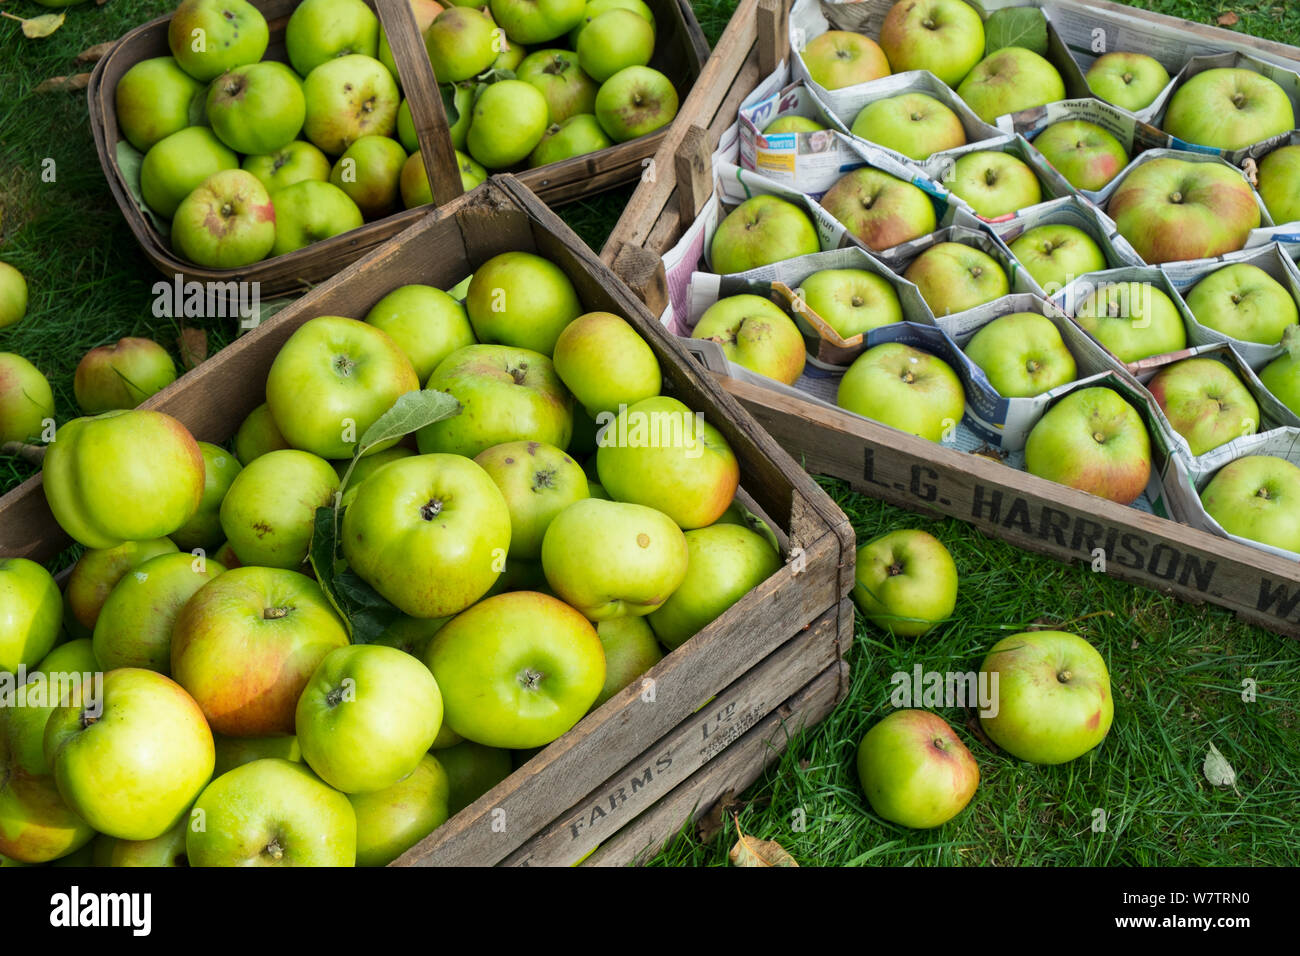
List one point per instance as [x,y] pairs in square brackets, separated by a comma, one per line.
[1049,698]
[327,141]
[318,648]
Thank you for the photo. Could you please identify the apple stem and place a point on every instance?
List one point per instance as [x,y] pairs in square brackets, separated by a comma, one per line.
[431,509]
[275,613]
[87,719]
[274,850]
[895,568]
[1064,677]
[530,678]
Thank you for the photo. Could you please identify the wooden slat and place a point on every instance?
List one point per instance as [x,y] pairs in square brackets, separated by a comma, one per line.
[735,769]
[688,747]
[1031,512]
[773,35]
[694,173]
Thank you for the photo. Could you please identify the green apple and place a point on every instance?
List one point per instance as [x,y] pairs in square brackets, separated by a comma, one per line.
[738,514]
[630,650]
[121,375]
[1172,210]
[615,40]
[1131,81]
[429,533]
[1279,184]
[508,121]
[257,108]
[1257,497]
[462,43]
[560,79]
[760,231]
[606,363]
[99,471]
[152,101]
[1205,402]
[349,97]
[521,300]
[178,164]
[880,210]
[537,21]
[635,101]
[1054,700]
[26,399]
[165,850]
[471,173]
[838,58]
[1228,109]
[915,770]
[208,37]
[1243,302]
[257,434]
[914,124]
[75,656]
[851,301]
[517,670]
[1134,320]
[367,717]
[472,770]
[309,211]
[36,823]
[945,37]
[756,334]
[203,530]
[406,128]
[538,481]
[1280,376]
[905,388]
[332,380]
[1022,355]
[1056,254]
[234,752]
[246,644]
[13,295]
[131,763]
[611,559]
[954,277]
[227,222]
[506,394]
[793,124]
[369,172]
[660,454]
[905,582]
[994,184]
[576,136]
[595,8]
[321,30]
[95,575]
[413,183]
[1087,155]
[31,610]
[270,510]
[726,563]
[134,628]
[1095,441]
[392,820]
[272,813]
[425,323]
[1008,81]
[290,164]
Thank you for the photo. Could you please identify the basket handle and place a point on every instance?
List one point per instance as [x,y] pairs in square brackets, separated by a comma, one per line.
[420,88]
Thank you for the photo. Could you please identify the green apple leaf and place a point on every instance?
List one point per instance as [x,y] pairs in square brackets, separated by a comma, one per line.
[1016,26]
[365,613]
[409,413]
[448,93]
[1218,771]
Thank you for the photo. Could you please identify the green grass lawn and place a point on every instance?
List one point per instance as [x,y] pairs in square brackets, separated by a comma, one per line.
[1177,671]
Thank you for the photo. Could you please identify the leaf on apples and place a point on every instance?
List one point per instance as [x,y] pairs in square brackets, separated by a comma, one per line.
[409,413]
[448,93]
[1218,771]
[750,851]
[36,27]
[1016,26]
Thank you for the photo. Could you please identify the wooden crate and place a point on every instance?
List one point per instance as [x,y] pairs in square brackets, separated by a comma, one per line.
[1030,512]
[680,52]
[761,666]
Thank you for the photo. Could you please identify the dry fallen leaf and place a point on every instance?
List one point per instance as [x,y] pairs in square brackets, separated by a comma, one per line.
[710,825]
[749,851]
[60,84]
[193,345]
[37,27]
[1218,771]
[94,53]
[1228,19]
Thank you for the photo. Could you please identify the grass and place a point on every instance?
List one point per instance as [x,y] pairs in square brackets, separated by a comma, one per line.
[1177,670]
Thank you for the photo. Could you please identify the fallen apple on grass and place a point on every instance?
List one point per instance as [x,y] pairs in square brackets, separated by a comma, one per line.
[121,375]
[915,771]
[26,399]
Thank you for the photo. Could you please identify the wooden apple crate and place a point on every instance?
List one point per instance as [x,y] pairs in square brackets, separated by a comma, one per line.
[901,469]
[719,708]
[681,49]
